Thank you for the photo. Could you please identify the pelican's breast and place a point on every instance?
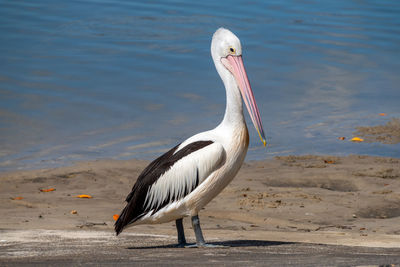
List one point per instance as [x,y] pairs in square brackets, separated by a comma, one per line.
[236,148]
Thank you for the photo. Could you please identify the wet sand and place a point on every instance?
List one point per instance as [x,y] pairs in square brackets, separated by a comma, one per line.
[102,248]
[386,134]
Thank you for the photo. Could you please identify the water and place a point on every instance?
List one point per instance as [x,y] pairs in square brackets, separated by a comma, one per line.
[83,80]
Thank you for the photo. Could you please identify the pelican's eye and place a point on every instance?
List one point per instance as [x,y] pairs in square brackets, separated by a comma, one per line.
[232,50]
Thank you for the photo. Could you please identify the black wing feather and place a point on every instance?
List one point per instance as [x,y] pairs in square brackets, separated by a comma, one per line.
[135,209]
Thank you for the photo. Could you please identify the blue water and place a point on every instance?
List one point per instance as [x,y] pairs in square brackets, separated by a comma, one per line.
[83,80]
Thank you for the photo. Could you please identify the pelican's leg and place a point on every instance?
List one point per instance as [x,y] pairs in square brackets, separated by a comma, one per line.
[197,231]
[181,233]
[199,235]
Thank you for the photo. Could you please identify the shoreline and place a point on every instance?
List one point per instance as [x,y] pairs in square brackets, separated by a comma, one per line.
[382,140]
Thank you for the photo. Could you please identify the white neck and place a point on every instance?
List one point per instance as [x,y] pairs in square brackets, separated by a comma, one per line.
[234,107]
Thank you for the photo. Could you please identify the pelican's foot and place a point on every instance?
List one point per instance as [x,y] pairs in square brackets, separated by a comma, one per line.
[181,245]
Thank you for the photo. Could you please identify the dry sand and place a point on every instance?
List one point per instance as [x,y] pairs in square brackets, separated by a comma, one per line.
[353,200]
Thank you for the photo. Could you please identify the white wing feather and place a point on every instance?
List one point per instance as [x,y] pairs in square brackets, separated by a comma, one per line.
[183,174]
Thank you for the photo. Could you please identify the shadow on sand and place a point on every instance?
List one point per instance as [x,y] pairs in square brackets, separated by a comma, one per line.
[224,244]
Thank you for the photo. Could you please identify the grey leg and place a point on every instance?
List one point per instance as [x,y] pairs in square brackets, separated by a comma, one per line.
[199,235]
[181,233]
[197,231]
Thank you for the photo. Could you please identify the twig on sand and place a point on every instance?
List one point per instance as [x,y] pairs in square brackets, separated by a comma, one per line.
[90,224]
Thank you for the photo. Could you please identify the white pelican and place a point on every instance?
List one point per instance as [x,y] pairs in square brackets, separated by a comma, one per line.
[187,177]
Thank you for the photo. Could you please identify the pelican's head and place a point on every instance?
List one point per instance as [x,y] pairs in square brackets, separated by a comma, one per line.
[226,52]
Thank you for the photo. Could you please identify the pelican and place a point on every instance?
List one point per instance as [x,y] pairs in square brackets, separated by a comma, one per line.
[186,178]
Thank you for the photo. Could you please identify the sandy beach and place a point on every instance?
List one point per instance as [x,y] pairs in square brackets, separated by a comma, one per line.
[289,211]
[353,200]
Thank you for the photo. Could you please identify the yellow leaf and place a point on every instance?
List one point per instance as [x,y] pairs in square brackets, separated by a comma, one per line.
[17,198]
[74,212]
[84,196]
[382,114]
[115,217]
[357,139]
[47,190]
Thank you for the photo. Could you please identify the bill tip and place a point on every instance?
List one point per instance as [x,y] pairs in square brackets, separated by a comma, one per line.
[264,142]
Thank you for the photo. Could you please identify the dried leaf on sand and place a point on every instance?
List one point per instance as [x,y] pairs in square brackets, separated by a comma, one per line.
[84,196]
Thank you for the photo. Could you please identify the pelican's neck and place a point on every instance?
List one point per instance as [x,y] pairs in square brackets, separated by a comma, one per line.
[234,107]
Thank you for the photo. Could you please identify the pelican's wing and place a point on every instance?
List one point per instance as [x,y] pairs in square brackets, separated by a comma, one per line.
[170,178]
